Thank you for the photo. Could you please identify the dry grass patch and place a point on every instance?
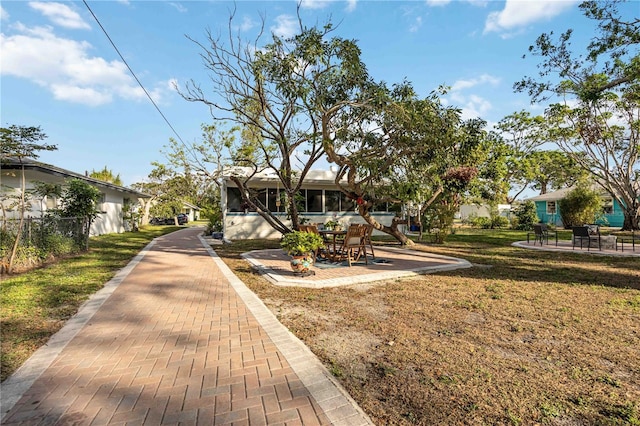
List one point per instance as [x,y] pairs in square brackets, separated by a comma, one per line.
[527,338]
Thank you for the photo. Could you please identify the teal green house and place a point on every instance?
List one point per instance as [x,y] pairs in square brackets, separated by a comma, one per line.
[549,211]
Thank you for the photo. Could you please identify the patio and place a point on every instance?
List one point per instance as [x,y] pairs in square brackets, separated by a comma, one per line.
[390,263]
[567,246]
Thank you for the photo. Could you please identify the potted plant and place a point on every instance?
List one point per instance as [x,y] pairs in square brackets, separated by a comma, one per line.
[301,246]
[333,225]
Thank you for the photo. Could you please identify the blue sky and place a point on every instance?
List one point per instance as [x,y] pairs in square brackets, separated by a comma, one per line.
[60,72]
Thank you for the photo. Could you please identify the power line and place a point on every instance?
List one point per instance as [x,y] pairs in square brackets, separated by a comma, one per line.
[132,73]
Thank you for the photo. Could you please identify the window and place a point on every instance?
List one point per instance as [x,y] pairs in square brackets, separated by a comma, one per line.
[332,201]
[337,201]
[51,202]
[346,204]
[260,195]
[234,200]
[314,200]
[272,200]
[551,207]
[607,206]
[384,207]
[101,205]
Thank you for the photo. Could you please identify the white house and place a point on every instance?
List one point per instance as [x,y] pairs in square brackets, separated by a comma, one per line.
[319,198]
[192,211]
[114,197]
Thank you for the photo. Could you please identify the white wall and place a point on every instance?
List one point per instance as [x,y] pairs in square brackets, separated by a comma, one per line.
[110,221]
[241,226]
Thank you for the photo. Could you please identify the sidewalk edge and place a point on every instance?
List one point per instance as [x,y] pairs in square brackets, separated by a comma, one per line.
[335,402]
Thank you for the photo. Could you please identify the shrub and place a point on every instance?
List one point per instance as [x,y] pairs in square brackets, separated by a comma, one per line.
[526,216]
[581,205]
[499,222]
[480,222]
[57,245]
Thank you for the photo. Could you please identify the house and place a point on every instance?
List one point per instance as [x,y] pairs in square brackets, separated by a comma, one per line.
[320,201]
[114,197]
[192,212]
[548,209]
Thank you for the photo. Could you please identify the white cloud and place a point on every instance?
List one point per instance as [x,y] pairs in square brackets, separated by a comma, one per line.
[247,23]
[466,84]
[179,7]
[65,68]
[472,106]
[520,13]
[441,3]
[4,15]
[415,26]
[438,3]
[286,26]
[314,4]
[60,14]
[80,95]
[351,5]
[321,4]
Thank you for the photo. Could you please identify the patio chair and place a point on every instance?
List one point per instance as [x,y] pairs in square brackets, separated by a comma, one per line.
[354,246]
[632,239]
[586,233]
[367,239]
[541,234]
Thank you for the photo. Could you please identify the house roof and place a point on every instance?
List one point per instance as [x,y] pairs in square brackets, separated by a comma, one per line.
[551,196]
[268,175]
[191,206]
[562,193]
[29,164]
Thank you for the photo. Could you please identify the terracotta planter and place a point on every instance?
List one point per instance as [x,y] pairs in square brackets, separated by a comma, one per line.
[301,264]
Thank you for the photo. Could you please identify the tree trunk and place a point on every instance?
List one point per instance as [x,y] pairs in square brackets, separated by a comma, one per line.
[16,243]
[390,230]
[146,208]
[268,216]
[631,219]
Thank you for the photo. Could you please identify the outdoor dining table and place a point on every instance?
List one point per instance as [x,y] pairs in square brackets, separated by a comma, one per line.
[331,241]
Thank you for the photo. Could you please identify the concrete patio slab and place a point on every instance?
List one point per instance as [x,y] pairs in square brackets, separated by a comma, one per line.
[567,247]
[390,263]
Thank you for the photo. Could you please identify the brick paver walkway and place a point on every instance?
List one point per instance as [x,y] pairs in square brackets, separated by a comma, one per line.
[179,341]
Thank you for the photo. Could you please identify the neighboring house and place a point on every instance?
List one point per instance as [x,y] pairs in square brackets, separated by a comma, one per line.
[320,200]
[109,220]
[192,212]
[548,208]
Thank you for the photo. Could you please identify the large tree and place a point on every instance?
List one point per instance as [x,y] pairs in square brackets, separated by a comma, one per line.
[596,119]
[399,149]
[20,143]
[521,133]
[280,93]
[168,190]
[107,175]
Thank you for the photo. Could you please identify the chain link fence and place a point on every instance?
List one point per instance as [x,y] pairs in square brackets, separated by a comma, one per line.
[42,238]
